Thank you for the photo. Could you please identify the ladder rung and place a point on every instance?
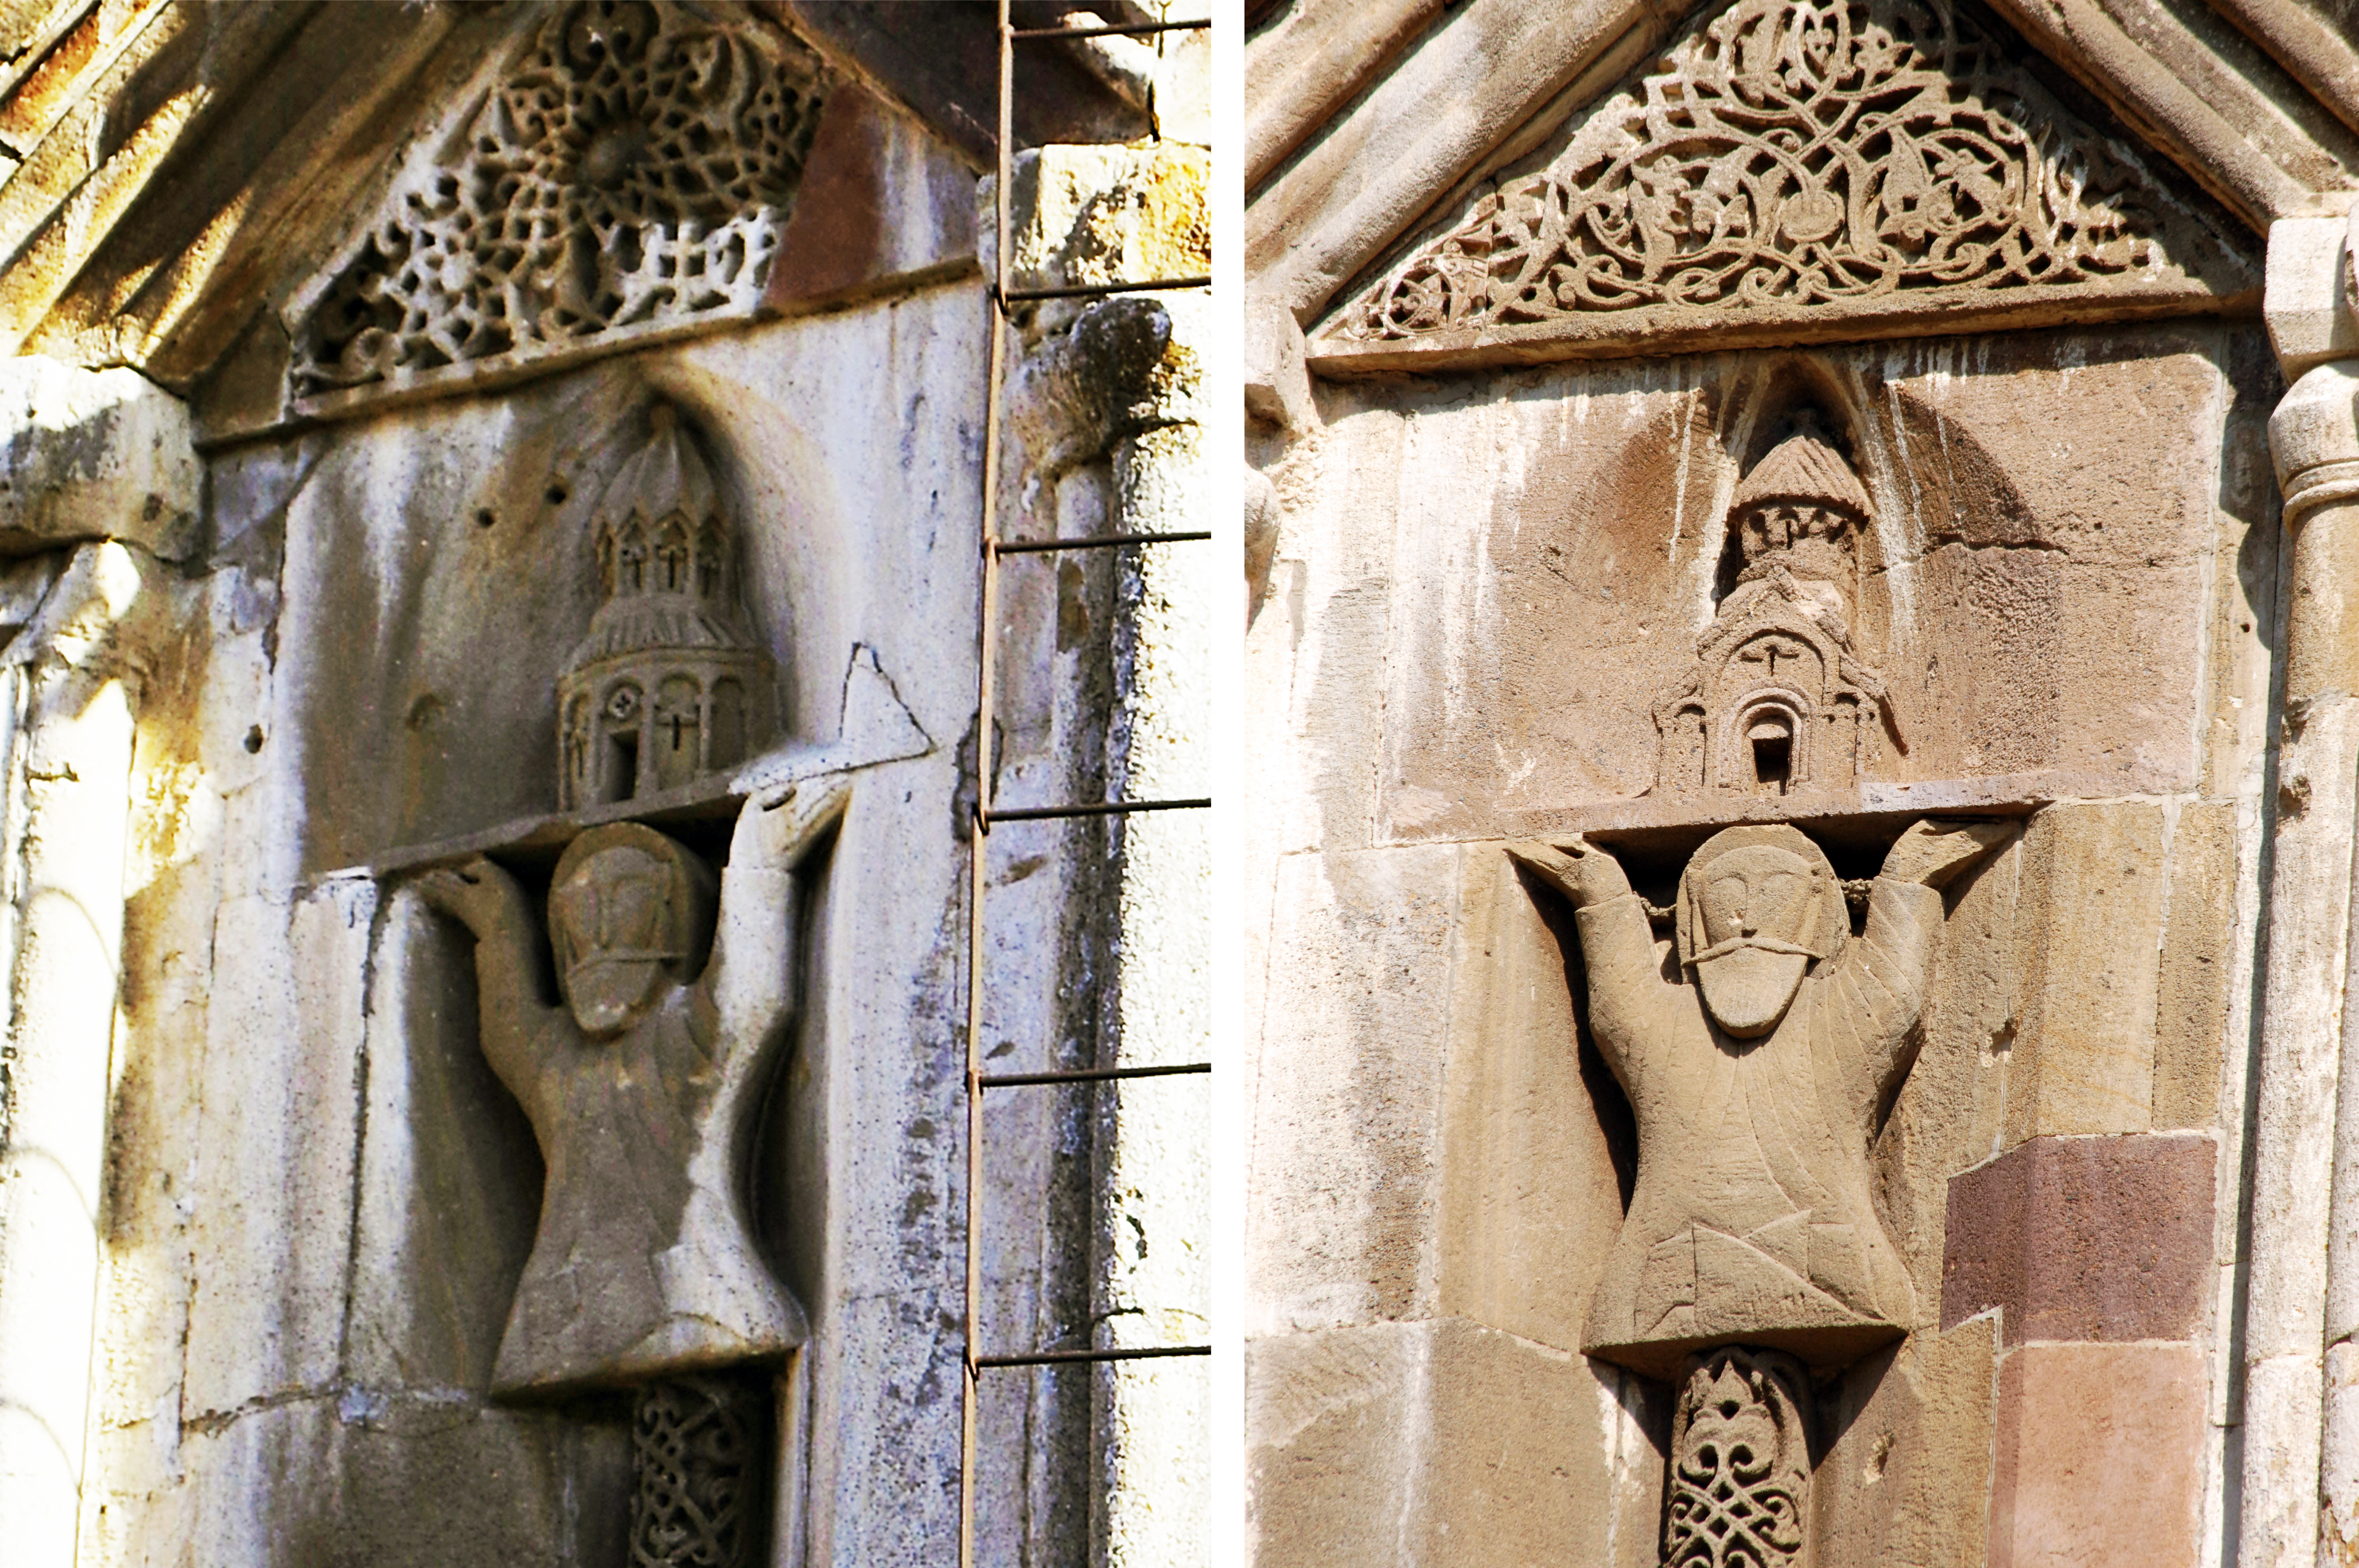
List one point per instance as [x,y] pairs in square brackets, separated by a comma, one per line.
[1103,808]
[1051,1358]
[1086,1074]
[1093,542]
[1085,290]
[1130,28]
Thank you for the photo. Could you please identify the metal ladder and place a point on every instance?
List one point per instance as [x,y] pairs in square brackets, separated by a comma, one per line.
[995,548]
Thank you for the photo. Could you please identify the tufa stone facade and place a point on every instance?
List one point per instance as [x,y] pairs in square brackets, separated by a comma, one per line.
[490,554]
[1796,690]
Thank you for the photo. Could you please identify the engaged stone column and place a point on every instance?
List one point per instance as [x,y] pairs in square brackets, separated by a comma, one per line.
[103,479]
[70,701]
[1107,398]
[2303,1301]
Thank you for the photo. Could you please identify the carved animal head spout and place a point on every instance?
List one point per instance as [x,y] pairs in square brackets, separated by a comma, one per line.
[629,913]
[1756,905]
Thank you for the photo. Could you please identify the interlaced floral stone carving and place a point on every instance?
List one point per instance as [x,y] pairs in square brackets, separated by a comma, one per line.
[633,169]
[1759,1078]
[696,1443]
[669,687]
[1777,702]
[1740,1467]
[1800,158]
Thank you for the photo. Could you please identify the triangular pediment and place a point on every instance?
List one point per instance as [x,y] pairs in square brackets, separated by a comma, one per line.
[1800,170]
[623,172]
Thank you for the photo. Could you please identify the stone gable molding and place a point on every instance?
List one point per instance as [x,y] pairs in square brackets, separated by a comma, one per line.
[627,174]
[1798,170]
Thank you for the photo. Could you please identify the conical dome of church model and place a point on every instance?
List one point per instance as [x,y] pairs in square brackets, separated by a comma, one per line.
[669,685]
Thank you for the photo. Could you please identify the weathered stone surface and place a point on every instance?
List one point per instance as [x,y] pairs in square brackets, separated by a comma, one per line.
[279,1143]
[2033,595]
[950,70]
[2198,968]
[288,157]
[1948,1116]
[1537,1144]
[455,1200]
[2083,1045]
[2097,1444]
[1526,1453]
[1907,1473]
[1498,65]
[1759,1078]
[459,742]
[646,1263]
[1311,60]
[880,200]
[1481,580]
[1102,215]
[105,150]
[2189,85]
[2084,1239]
[2309,318]
[592,189]
[1348,1099]
[94,455]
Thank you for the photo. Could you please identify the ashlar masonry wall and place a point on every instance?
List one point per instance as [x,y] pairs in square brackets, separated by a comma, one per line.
[1480,584]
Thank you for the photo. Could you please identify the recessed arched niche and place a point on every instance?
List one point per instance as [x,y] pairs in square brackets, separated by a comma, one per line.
[1796,581]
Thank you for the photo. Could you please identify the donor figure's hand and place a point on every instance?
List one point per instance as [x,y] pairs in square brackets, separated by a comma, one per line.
[778,828]
[1581,873]
[478,895]
[1934,850]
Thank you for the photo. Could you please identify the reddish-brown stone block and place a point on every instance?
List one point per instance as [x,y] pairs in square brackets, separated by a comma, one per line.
[2083,1238]
[2099,1456]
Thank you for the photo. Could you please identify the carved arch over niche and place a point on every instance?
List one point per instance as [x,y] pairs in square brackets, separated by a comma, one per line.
[1953,604]
[1800,170]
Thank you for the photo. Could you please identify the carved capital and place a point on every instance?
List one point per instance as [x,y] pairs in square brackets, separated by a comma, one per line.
[2314,439]
[2308,301]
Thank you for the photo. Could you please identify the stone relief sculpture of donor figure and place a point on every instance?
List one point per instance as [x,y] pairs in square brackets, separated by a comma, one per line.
[639,1084]
[1757,1078]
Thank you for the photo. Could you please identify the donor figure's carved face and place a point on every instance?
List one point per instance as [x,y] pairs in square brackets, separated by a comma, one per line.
[1753,925]
[624,919]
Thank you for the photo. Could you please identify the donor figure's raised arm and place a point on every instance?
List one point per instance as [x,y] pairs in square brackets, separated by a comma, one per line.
[516,1015]
[1881,981]
[750,980]
[1617,945]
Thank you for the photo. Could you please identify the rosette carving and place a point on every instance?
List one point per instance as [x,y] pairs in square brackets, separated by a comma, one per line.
[633,169]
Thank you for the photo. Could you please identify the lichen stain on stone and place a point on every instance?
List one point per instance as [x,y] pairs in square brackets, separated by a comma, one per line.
[168,819]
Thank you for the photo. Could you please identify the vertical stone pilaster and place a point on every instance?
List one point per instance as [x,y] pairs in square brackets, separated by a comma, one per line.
[1107,398]
[2303,1296]
[69,697]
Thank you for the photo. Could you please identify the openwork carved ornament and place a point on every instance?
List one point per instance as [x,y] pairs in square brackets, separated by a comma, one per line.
[1804,157]
[1740,1466]
[633,169]
[696,1448]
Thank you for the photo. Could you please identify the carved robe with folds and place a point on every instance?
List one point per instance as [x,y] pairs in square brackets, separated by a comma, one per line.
[1751,1217]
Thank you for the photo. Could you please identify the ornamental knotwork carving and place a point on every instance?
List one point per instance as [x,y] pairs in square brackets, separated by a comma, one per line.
[694,1448]
[1740,1466]
[633,169]
[1797,155]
